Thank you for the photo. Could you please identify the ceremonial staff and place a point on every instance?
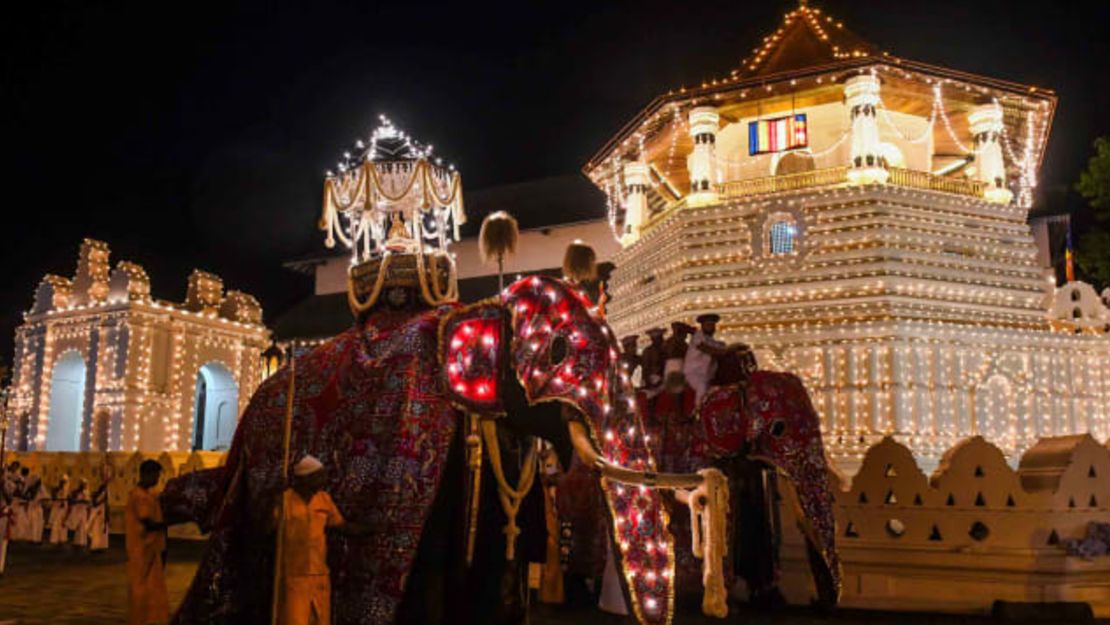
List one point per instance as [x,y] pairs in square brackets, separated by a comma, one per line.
[496,240]
[279,551]
[5,422]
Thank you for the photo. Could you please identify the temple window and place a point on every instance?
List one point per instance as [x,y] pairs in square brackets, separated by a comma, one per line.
[782,235]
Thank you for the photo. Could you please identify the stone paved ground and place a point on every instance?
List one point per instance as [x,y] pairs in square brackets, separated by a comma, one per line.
[61,587]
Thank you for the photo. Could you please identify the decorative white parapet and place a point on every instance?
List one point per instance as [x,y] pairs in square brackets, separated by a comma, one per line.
[986,128]
[973,532]
[868,166]
[1077,306]
[636,180]
[702,162]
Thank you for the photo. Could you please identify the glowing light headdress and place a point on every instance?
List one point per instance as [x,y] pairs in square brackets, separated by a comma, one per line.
[397,209]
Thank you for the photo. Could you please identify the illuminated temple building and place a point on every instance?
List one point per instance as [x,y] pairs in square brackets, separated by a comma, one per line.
[861,220]
[100,365]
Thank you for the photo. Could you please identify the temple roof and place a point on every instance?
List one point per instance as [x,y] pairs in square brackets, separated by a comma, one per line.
[807,38]
[809,52]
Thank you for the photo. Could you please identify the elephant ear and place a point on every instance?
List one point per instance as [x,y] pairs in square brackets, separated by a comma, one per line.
[726,425]
[469,351]
[563,351]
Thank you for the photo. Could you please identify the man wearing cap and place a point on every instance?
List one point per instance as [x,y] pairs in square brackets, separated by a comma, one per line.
[145,537]
[674,355]
[630,358]
[306,512]
[700,363]
[651,361]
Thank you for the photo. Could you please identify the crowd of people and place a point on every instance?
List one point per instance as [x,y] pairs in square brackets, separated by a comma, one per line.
[33,513]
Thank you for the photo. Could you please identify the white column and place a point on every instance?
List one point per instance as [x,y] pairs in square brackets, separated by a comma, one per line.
[702,162]
[868,166]
[986,128]
[635,200]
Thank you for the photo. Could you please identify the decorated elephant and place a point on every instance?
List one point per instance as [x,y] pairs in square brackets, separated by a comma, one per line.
[755,431]
[392,406]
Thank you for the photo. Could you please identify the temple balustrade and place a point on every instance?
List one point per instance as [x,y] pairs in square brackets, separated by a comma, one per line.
[1001,533]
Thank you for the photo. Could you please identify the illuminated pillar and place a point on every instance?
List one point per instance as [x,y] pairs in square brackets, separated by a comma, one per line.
[635,200]
[868,166]
[901,396]
[986,129]
[702,162]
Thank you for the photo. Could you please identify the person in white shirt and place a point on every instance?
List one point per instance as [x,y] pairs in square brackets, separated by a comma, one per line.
[98,517]
[700,364]
[674,355]
[78,519]
[59,512]
[36,497]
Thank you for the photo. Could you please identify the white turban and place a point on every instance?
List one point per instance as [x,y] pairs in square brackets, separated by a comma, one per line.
[307,466]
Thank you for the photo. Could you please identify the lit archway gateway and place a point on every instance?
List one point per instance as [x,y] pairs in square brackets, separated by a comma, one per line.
[67,403]
[215,407]
[116,353]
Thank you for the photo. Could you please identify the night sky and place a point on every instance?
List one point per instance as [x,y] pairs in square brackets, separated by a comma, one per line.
[188,135]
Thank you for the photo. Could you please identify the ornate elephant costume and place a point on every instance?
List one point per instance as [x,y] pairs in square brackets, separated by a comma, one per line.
[400,407]
[770,421]
[377,404]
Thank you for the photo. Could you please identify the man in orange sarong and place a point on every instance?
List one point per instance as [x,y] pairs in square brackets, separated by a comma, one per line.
[145,535]
[306,512]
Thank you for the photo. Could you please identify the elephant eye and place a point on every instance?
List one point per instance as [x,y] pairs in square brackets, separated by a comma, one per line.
[558,351]
[778,428]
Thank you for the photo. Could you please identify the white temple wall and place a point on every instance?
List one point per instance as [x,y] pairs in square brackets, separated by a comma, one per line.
[930,391]
[917,314]
[141,370]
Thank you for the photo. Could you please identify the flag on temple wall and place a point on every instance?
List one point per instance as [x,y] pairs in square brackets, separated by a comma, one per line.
[776,135]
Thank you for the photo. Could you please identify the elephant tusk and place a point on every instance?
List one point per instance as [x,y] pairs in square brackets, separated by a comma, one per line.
[588,454]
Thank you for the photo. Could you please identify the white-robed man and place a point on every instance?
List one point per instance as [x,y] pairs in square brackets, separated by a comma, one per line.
[700,364]
[98,518]
[59,512]
[77,520]
[21,529]
[36,497]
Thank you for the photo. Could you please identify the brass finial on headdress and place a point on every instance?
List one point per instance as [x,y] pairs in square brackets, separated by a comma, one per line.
[497,239]
[580,262]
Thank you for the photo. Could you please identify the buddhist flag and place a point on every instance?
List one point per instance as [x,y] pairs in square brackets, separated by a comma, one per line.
[1069,261]
[777,135]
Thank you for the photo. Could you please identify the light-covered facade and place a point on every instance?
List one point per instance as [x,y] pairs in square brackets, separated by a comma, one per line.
[861,220]
[100,365]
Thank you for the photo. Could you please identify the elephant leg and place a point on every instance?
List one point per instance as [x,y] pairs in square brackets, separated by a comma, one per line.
[755,529]
[432,592]
[496,587]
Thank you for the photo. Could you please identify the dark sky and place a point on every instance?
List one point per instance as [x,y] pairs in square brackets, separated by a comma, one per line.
[191,135]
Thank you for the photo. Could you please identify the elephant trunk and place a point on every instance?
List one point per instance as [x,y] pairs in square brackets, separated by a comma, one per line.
[817,521]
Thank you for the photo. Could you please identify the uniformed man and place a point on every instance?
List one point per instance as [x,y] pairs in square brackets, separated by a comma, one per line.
[306,511]
[651,361]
